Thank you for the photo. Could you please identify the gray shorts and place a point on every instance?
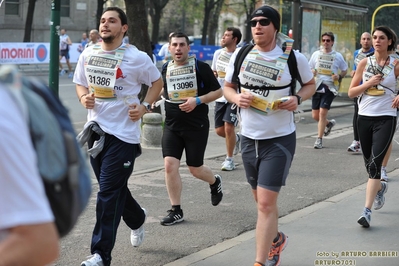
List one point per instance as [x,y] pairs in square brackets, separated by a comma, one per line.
[267,162]
[225,112]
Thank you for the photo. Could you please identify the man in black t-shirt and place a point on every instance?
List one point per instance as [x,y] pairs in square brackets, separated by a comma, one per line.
[188,85]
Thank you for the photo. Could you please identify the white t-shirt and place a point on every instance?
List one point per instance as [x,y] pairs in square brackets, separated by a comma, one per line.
[338,64]
[136,69]
[258,126]
[164,51]
[214,68]
[22,196]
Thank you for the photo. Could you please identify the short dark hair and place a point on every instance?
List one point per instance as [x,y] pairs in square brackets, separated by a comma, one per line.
[236,33]
[391,35]
[121,13]
[179,35]
[329,34]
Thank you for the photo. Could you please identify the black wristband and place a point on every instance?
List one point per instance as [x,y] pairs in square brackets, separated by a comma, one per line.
[299,98]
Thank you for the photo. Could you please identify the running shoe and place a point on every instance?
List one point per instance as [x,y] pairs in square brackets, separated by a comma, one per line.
[384,176]
[62,73]
[137,236]
[380,198]
[93,260]
[174,216]
[318,144]
[329,126]
[258,264]
[355,147]
[274,258]
[70,75]
[216,191]
[228,165]
[365,218]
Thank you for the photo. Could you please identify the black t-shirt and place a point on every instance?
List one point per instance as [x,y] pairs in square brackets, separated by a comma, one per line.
[175,119]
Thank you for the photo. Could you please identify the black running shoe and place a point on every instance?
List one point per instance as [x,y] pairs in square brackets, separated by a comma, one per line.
[329,126]
[174,216]
[216,191]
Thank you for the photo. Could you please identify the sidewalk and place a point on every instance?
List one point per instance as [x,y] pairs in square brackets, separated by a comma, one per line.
[322,234]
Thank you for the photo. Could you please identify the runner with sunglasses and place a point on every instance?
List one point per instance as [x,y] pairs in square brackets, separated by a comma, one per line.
[268,136]
[325,65]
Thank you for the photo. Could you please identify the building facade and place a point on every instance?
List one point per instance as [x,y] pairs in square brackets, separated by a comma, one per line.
[77,16]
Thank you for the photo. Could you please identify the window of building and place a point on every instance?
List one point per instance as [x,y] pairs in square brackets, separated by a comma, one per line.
[12,7]
[65,8]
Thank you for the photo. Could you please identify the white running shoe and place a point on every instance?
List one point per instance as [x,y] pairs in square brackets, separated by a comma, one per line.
[355,147]
[365,219]
[379,199]
[318,144]
[228,165]
[137,236]
[94,260]
[384,176]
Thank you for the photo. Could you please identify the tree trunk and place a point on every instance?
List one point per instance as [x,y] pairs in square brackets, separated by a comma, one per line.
[138,33]
[29,20]
[214,23]
[207,10]
[156,7]
[156,19]
[100,9]
[249,9]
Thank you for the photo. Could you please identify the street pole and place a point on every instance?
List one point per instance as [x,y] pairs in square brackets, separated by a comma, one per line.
[375,12]
[54,45]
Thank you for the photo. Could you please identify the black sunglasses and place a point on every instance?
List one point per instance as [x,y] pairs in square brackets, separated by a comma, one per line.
[326,40]
[262,22]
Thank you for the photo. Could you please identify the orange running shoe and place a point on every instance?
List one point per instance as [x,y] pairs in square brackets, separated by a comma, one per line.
[274,253]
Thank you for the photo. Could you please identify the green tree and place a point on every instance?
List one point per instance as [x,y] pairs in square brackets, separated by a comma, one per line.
[385,16]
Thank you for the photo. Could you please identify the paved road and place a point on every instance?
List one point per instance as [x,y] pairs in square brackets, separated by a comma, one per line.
[315,175]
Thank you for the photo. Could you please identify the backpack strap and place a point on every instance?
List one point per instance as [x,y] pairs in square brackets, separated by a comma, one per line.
[242,53]
[292,65]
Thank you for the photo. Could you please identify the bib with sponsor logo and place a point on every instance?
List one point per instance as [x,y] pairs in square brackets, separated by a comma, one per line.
[101,69]
[257,75]
[222,63]
[325,63]
[361,55]
[371,69]
[181,81]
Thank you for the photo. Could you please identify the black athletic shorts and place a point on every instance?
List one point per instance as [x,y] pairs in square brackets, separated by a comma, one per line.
[192,142]
[225,112]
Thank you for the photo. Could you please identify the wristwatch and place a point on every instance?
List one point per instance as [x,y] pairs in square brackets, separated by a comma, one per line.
[299,99]
[147,106]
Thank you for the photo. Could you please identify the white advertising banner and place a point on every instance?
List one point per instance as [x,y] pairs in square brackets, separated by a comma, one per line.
[32,53]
